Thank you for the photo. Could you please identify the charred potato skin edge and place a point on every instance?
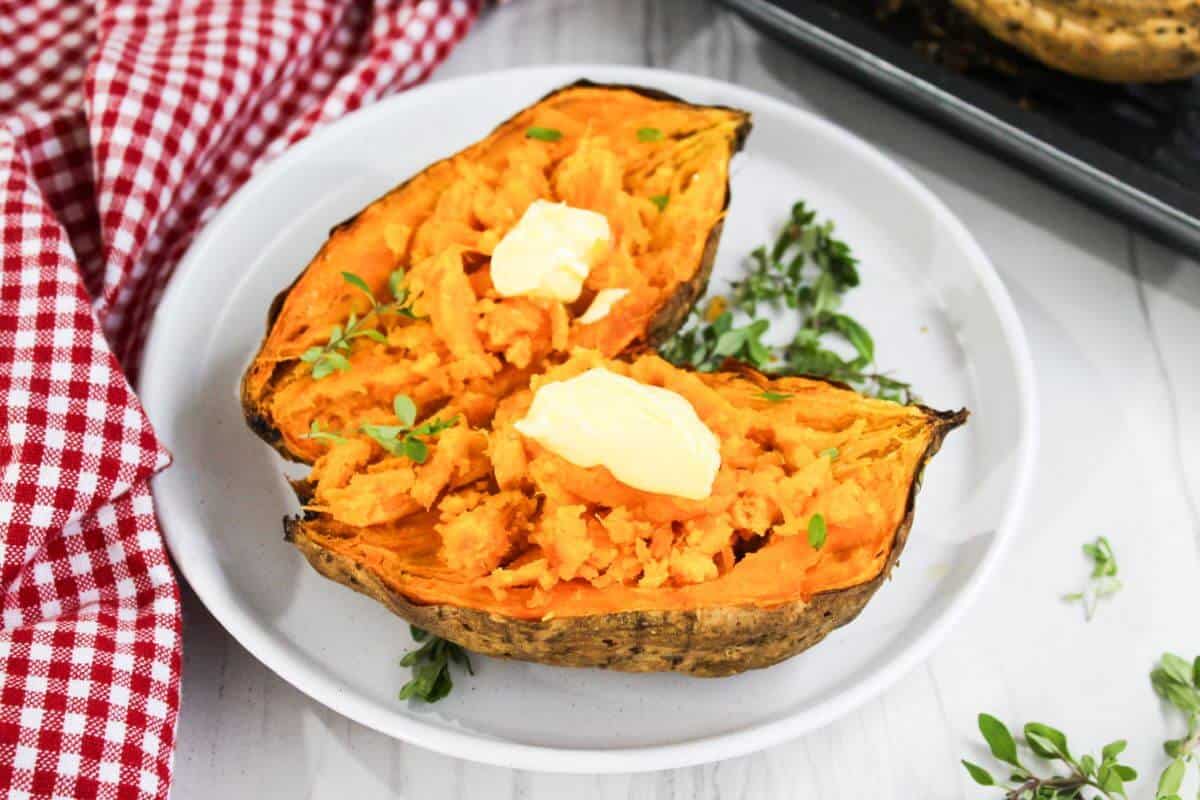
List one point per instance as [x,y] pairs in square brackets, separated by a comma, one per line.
[666,321]
[707,642]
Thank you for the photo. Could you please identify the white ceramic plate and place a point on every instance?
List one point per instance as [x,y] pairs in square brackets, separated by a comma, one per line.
[940,316]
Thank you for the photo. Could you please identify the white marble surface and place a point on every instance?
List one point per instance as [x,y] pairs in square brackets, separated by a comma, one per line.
[1114,322]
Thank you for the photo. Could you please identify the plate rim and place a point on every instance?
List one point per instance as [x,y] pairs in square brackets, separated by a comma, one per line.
[322,687]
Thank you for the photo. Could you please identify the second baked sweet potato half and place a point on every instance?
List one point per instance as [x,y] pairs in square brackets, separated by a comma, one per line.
[403,298]
[497,541]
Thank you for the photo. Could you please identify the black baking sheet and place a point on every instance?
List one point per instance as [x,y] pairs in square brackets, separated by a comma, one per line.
[1132,150]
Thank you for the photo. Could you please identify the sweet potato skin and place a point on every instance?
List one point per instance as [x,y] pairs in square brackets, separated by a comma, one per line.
[707,642]
[256,387]
[1117,41]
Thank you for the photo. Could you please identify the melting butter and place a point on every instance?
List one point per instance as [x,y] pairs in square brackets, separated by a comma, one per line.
[648,437]
[602,304]
[550,251]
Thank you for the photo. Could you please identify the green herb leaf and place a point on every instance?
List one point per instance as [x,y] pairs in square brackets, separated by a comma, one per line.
[1111,782]
[816,531]
[981,775]
[1047,742]
[435,426]
[831,453]
[361,285]
[543,134]
[405,410]
[386,436]
[430,664]
[856,334]
[416,450]
[730,342]
[1102,581]
[775,397]
[396,284]
[999,739]
[660,200]
[1177,668]
[315,432]
[1127,773]
[1171,780]
[1113,749]
[649,135]
[329,363]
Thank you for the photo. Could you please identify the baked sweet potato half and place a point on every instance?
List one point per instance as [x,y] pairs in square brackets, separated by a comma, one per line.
[1119,41]
[656,168]
[503,546]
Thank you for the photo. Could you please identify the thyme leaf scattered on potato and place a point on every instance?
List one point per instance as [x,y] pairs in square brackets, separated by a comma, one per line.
[1177,681]
[817,531]
[649,135]
[315,432]
[331,357]
[775,397]
[660,201]
[807,270]
[430,664]
[1102,582]
[543,134]
[1085,776]
[404,440]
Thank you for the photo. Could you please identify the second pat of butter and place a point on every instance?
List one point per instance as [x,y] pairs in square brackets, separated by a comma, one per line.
[550,251]
[648,437]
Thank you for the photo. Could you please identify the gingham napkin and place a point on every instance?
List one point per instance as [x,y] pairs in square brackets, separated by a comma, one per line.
[123,125]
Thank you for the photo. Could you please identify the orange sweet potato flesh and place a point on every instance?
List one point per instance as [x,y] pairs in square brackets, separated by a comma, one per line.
[471,347]
[495,525]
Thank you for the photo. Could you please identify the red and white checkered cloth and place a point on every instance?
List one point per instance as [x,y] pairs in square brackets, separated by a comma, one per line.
[123,125]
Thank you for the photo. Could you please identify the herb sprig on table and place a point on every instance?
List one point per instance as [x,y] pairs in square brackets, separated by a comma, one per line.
[331,357]
[1174,679]
[1104,776]
[1102,582]
[1178,682]
[807,270]
[430,665]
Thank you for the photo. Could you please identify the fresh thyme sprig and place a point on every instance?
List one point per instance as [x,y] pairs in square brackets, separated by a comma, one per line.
[1102,582]
[808,270]
[430,665]
[404,439]
[1178,682]
[399,440]
[331,356]
[1086,776]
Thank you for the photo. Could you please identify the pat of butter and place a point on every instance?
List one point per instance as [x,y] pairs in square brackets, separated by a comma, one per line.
[648,437]
[550,251]
[602,304]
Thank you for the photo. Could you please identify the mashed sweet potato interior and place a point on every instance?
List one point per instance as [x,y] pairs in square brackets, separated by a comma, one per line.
[656,168]
[494,521]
